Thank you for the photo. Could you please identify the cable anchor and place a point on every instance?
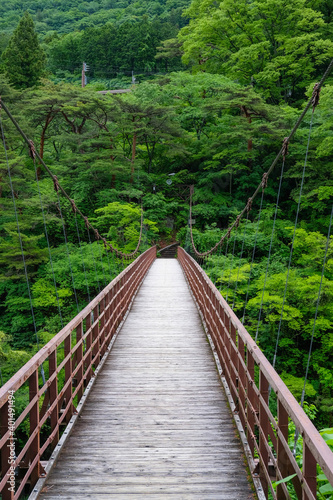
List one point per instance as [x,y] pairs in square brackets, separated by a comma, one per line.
[249,205]
[74,207]
[56,183]
[285,147]
[32,150]
[86,222]
[315,96]
[264,180]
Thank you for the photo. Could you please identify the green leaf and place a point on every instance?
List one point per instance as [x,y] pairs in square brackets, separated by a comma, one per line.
[327,489]
[285,480]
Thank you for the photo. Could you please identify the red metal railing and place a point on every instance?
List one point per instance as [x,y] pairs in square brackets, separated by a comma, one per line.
[69,359]
[249,376]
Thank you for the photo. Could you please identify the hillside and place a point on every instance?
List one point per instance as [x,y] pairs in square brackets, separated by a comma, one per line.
[65,16]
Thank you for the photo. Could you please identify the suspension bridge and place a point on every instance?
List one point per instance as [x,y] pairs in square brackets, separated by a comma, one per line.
[156,389]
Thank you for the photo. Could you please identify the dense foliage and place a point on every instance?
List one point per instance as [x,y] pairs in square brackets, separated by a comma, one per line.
[114,38]
[217,127]
[268,43]
[65,16]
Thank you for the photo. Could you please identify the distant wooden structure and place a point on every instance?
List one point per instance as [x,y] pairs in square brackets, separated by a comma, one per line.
[117,91]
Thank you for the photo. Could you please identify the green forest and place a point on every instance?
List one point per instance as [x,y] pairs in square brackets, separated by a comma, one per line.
[219,85]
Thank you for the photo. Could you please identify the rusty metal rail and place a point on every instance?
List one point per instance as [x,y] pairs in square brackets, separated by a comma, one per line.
[70,359]
[249,376]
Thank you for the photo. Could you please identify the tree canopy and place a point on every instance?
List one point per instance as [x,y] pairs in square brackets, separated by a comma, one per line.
[277,46]
[24,59]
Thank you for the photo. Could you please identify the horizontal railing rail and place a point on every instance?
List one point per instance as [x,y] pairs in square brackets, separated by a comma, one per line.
[250,378]
[69,361]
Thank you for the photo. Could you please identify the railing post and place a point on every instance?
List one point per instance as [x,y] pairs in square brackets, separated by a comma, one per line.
[68,377]
[107,324]
[112,308]
[221,338]
[102,327]
[219,343]
[54,398]
[88,349]
[309,471]
[214,331]
[251,403]
[6,494]
[263,420]
[95,336]
[282,458]
[118,303]
[79,361]
[34,422]
[241,382]
[121,295]
[233,365]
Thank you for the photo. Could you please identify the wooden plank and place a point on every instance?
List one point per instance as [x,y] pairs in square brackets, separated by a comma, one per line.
[156,424]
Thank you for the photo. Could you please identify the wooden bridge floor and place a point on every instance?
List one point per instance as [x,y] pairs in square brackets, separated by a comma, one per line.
[156,424]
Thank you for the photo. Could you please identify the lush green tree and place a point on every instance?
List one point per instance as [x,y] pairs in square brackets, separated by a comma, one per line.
[24,58]
[277,46]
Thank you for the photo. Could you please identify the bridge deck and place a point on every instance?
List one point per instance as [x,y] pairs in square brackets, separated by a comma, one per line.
[156,425]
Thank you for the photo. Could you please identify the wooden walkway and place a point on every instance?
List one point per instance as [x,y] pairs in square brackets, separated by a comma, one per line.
[156,424]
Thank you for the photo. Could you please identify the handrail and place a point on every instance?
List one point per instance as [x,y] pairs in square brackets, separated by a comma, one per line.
[71,358]
[242,361]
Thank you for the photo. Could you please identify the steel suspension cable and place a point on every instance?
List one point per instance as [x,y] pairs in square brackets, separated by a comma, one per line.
[48,243]
[314,323]
[216,273]
[292,243]
[224,261]
[82,256]
[100,255]
[67,251]
[114,262]
[110,271]
[231,265]
[58,187]
[21,243]
[270,245]
[93,256]
[313,101]
[317,306]
[240,259]
[253,254]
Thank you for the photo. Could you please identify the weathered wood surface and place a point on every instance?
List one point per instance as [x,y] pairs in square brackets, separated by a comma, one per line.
[156,425]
